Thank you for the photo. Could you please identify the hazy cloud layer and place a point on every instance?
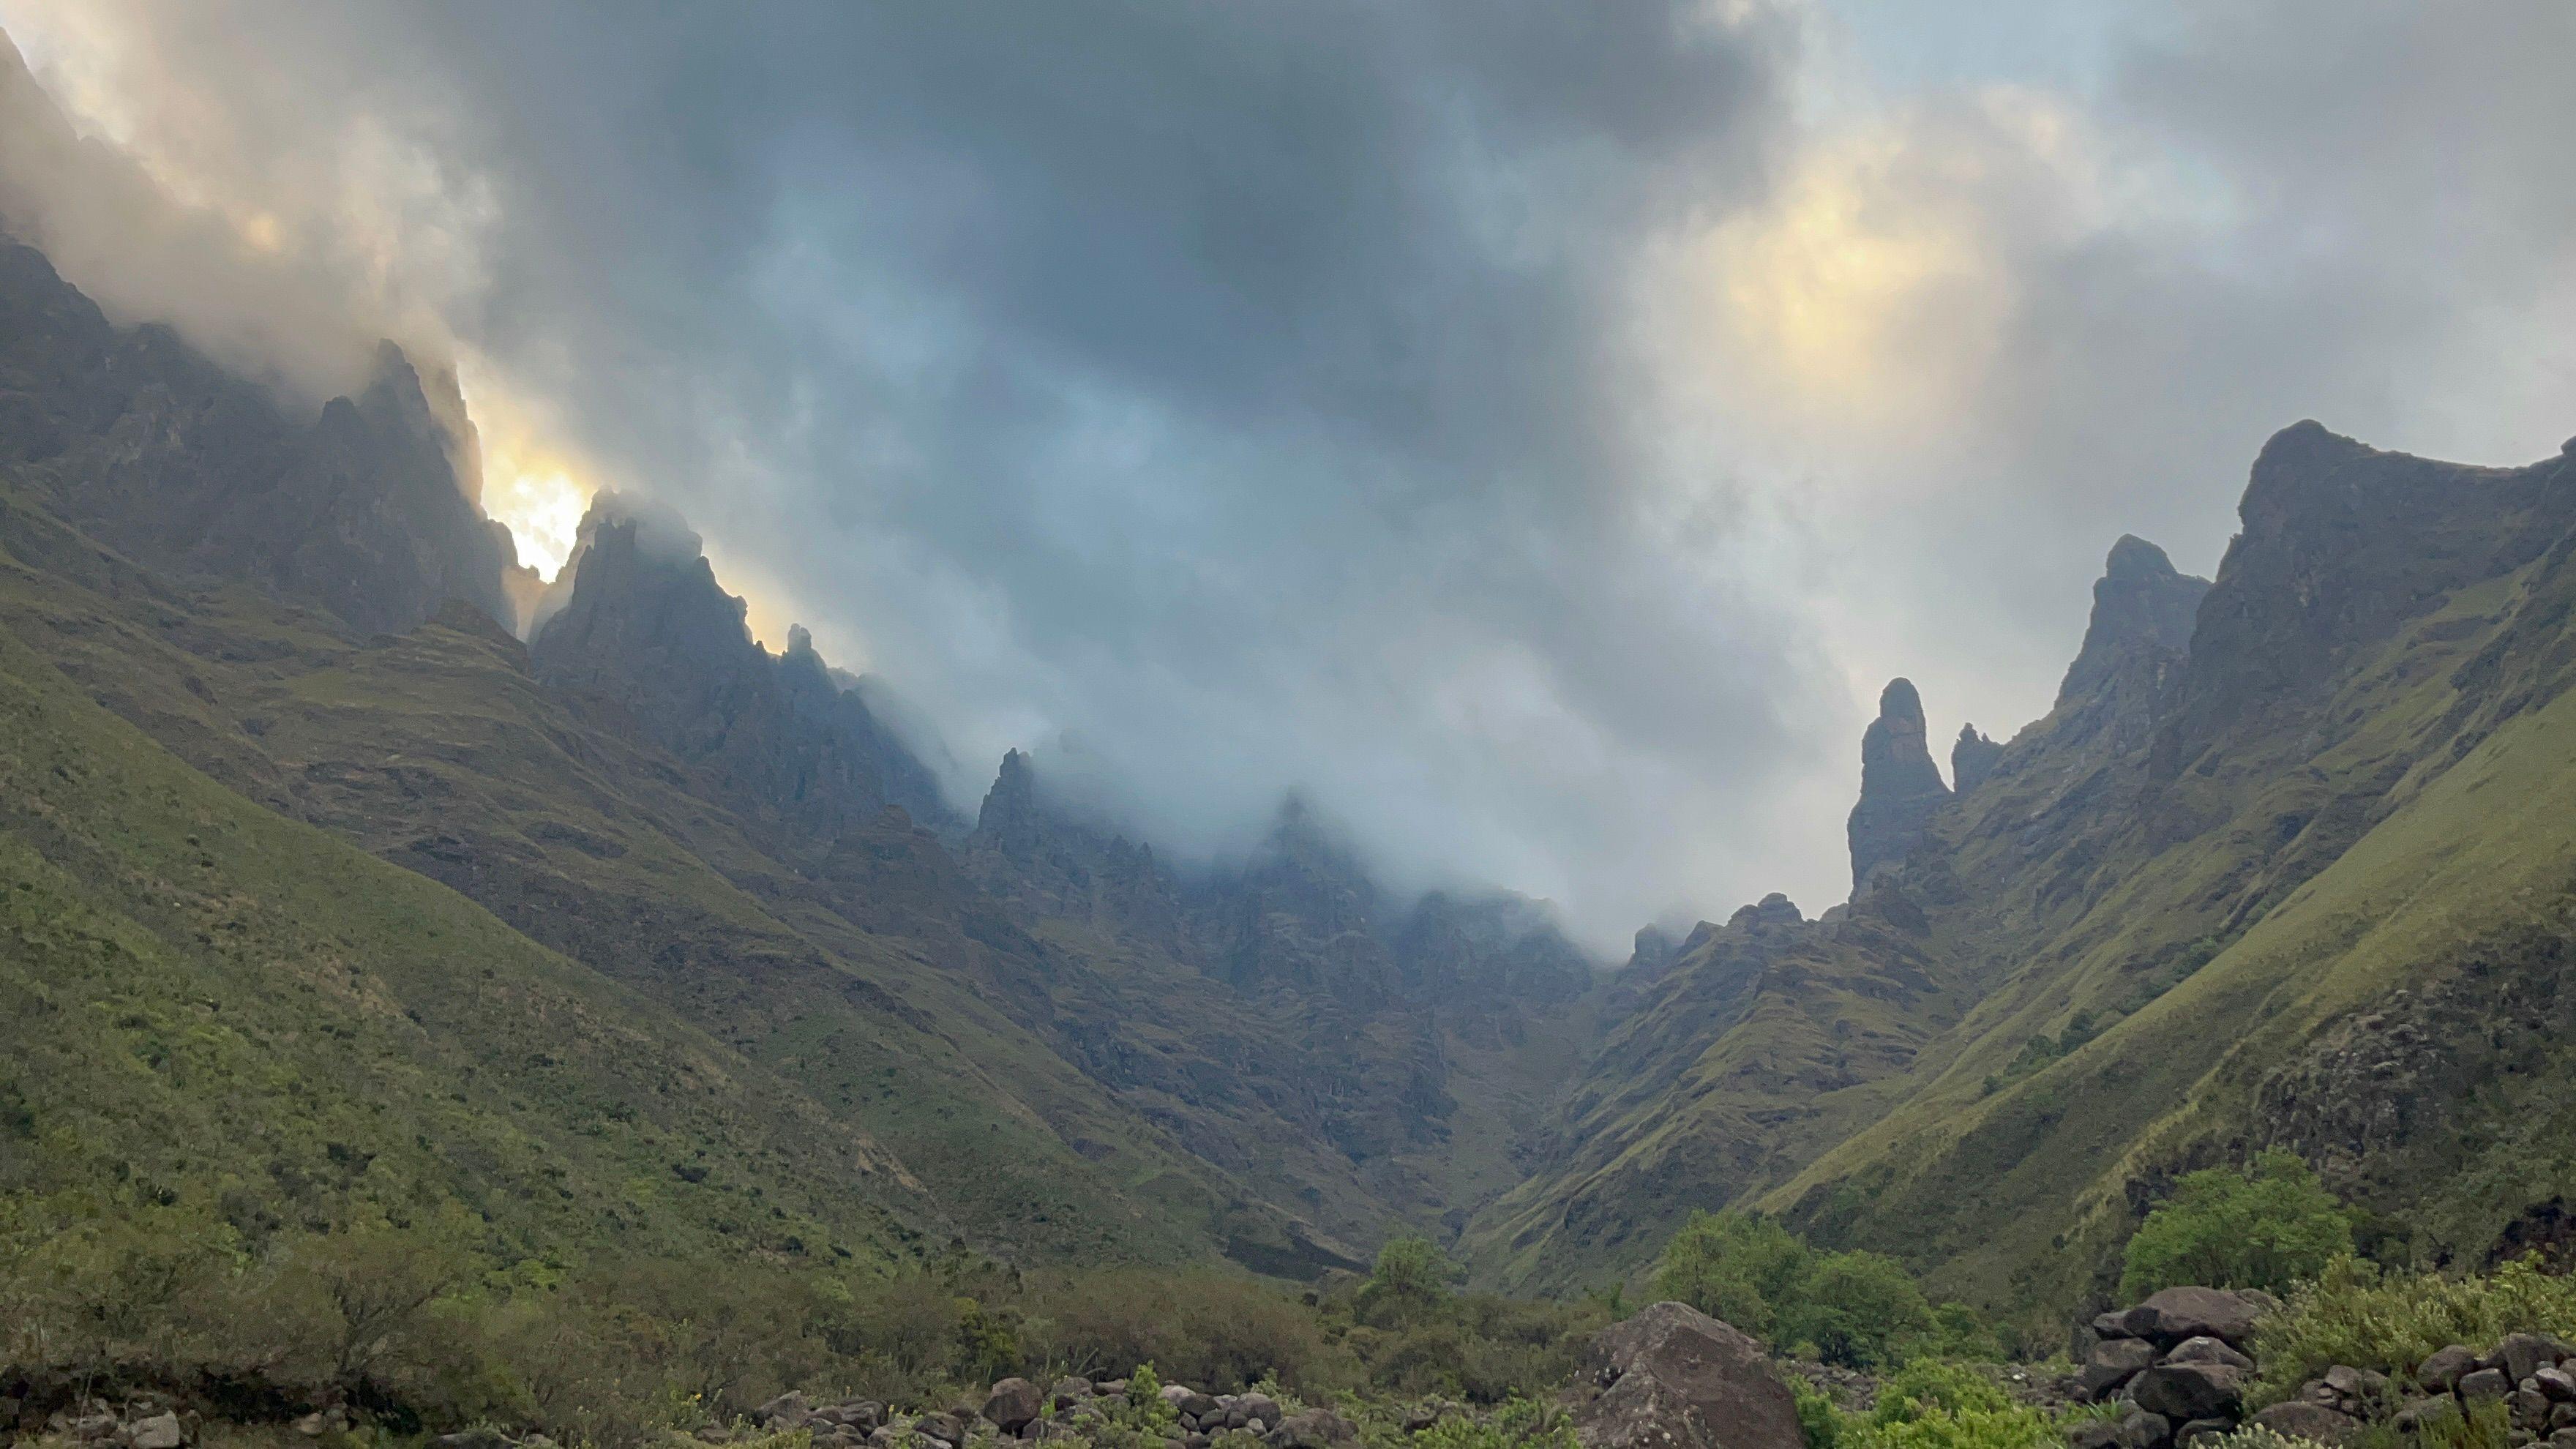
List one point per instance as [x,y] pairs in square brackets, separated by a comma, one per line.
[1535,430]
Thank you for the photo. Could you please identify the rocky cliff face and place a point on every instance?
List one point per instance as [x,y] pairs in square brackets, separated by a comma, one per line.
[646,633]
[1900,787]
[160,454]
[1972,758]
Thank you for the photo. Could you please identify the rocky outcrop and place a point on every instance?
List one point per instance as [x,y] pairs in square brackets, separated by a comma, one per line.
[1900,787]
[1674,1378]
[1057,861]
[645,633]
[1972,758]
[366,510]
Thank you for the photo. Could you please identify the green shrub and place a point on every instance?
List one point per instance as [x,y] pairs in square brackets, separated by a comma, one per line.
[1518,1423]
[1819,1418]
[1858,1309]
[1734,1266]
[2267,1227]
[1937,1404]
[1409,1284]
[2354,1313]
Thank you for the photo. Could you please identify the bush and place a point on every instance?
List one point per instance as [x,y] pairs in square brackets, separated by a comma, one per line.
[2267,1227]
[1862,1310]
[2355,1314]
[1936,1404]
[1409,1284]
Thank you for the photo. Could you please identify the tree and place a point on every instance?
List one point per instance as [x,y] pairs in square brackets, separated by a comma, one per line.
[1741,1267]
[1410,1282]
[1860,1310]
[2266,1227]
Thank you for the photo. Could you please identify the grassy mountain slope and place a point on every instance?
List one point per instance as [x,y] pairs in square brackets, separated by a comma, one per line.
[437,752]
[2300,885]
[207,1003]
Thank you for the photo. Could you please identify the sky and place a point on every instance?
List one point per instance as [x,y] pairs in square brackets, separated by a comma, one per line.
[1533,432]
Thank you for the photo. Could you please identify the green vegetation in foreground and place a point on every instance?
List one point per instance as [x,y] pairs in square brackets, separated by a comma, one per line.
[2357,1313]
[411,1324]
[2267,1227]
[1858,1309]
[1931,1403]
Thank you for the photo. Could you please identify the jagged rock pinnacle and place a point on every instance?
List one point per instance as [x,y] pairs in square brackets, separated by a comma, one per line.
[1900,787]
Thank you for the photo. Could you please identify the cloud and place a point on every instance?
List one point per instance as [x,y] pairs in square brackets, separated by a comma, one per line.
[1535,431]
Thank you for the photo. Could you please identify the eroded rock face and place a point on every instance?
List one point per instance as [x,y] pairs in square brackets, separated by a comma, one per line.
[1675,1378]
[1972,758]
[1900,787]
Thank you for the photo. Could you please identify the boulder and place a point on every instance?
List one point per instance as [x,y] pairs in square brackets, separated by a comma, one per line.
[2206,1349]
[2095,1434]
[2201,1429]
[2113,1362]
[2182,1313]
[1675,1378]
[161,1431]
[788,1410]
[1069,1391]
[2556,1382]
[1313,1429]
[1261,1408]
[1012,1404]
[1175,1394]
[2296,1420]
[2485,1383]
[946,1428]
[2521,1355]
[2184,1392]
[2442,1371]
[2125,1323]
[2142,1430]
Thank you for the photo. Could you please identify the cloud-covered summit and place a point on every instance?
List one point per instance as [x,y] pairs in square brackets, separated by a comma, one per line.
[1533,430]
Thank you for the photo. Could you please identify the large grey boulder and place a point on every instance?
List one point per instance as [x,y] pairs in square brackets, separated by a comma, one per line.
[1012,1404]
[2295,1419]
[2113,1362]
[2182,1313]
[1674,1378]
[1313,1429]
[2184,1392]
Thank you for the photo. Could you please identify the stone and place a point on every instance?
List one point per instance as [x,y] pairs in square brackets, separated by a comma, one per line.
[2094,1434]
[2184,1392]
[2206,1349]
[1261,1407]
[2182,1313]
[788,1410]
[2142,1430]
[471,1439]
[2521,1355]
[161,1431]
[310,1426]
[2529,1408]
[1069,1391]
[2113,1362]
[2201,1429]
[2556,1382]
[1313,1429]
[2442,1370]
[1174,1394]
[1012,1404]
[1675,1378]
[2485,1383]
[2308,1421]
[2562,1439]
[946,1428]
[1201,1406]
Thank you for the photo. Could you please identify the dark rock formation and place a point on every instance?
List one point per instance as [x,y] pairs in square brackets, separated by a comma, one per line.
[646,633]
[1674,1378]
[1972,759]
[365,510]
[1900,787]
[1058,862]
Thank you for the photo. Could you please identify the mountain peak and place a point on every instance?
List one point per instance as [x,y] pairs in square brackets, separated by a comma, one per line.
[1900,787]
[2141,602]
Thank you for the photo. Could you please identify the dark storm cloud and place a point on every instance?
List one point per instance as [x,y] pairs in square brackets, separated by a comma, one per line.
[1535,430]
